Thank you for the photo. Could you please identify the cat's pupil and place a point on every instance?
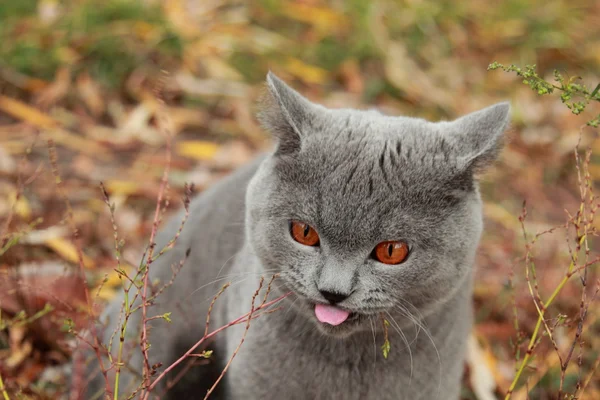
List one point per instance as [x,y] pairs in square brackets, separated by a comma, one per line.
[390,249]
[306,230]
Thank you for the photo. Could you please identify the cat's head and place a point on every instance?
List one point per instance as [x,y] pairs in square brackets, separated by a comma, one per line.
[363,213]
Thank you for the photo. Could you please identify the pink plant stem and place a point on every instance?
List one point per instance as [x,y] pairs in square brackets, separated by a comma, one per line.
[208,336]
[163,185]
[75,233]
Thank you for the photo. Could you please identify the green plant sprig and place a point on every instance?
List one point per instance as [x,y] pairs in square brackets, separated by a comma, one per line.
[574,94]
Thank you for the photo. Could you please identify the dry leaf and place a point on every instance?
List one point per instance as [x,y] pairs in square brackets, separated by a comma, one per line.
[90,93]
[26,113]
[21,206]
[48,11]
[232,155]
[501,215]
[20,349]
[121,187]
[322,18]
[68,251]
[137,125]
[210,87]
[57,90]
[197,149]
[110,287]
[481,377]
[7,164]
[305,72]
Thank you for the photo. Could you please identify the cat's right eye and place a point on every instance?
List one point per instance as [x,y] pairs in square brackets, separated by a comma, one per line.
[304,233]
[391,252]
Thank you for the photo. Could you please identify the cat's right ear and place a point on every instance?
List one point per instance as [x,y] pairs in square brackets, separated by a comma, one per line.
[478,137]
[285,114]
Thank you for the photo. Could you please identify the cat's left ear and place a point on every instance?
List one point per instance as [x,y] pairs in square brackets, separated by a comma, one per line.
[478,137]
[286,115]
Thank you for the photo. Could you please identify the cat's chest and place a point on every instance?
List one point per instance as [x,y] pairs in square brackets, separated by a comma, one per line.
[275,368]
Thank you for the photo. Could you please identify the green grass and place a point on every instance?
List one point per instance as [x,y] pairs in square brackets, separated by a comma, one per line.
[103,40]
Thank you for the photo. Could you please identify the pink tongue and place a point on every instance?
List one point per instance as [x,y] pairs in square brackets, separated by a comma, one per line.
[330,314]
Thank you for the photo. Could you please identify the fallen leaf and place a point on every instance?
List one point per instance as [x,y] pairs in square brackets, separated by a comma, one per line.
[108,289]
[306,72]
[90,93]
[20,206]
[217,68]
[232,155]
[26,113]
[350,72]
[121,187]
[481,377]
[68,251]
[501,215]
[20,349]
[29,372]
[197,149]
[7,164]
[210,87]
[57,90]
[137,125]
[46,290]
[48,11]
[322,18]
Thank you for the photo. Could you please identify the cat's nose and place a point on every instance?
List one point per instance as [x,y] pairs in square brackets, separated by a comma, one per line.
[333,297]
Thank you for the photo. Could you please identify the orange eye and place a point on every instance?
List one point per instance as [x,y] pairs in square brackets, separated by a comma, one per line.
[391,252]
[304,234]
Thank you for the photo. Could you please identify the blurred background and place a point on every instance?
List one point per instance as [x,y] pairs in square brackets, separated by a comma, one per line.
[82,81]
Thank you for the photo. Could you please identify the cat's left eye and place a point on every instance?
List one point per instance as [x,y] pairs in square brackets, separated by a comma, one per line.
[391,252]
[304,233]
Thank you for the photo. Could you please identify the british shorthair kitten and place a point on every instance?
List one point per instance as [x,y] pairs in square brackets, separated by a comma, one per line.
[365,218]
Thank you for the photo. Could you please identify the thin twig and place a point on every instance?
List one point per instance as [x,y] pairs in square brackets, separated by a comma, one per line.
[71,221]
[191,350]
[144,343]
[250,314]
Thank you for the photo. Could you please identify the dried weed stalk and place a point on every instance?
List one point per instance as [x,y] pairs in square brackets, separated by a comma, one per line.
[581,225]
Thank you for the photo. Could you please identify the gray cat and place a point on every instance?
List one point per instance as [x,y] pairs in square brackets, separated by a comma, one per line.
[366,218]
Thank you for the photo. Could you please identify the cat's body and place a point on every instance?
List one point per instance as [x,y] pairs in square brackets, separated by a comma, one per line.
[360,179]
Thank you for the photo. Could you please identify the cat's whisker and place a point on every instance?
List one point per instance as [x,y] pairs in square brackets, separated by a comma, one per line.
[230,258]
[230,276]
[243,223]
[291,305]
[407,314]
[421,324]
[438,357]
[232,284]
[225,263]
[416,320]
[395,325]
[372,324]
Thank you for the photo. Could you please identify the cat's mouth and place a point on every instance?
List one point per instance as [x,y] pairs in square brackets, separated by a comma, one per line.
[331,315]
[335,320]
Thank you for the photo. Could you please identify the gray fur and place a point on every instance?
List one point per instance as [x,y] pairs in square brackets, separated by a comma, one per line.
[359,178]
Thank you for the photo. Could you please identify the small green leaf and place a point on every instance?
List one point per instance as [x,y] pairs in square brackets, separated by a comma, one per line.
[595,92]
[68,325]
[385,348]
[166,317]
